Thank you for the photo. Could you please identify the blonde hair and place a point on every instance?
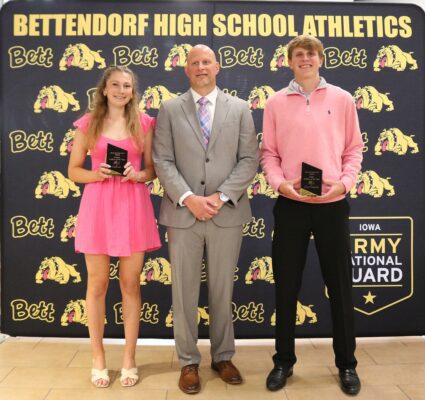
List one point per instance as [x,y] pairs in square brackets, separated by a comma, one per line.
[100,109]
[306,42]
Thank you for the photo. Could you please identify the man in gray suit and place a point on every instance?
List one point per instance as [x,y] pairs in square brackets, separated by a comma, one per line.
[205,153]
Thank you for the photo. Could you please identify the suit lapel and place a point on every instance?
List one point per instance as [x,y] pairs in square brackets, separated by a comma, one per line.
[221,109]
[189,109]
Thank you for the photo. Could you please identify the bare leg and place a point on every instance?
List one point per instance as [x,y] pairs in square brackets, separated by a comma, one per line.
[130,269]
[97,285]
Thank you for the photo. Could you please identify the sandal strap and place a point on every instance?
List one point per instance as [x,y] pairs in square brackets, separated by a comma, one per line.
[97,374]
[131,373]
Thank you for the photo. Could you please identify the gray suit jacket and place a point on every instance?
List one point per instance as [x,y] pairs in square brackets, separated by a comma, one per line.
[182,163]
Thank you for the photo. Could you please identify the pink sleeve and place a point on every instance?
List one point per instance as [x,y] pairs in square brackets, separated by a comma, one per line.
[270,157]
[352,156]
[83,123]
[147,122]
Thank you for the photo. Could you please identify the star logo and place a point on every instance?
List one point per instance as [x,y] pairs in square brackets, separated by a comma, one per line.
[369,298]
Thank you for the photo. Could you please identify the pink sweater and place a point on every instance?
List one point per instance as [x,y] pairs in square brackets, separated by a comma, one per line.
[322,131]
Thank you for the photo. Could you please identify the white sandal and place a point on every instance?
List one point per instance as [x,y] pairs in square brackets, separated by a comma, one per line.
[131,373]
[99,374]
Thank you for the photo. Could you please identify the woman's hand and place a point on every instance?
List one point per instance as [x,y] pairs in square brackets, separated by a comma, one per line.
[103,172]
[130,174]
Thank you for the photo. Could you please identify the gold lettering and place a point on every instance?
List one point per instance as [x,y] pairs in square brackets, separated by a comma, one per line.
[354,57]
[394,244]
[20,141]
[144,56]
[254,228]
[405,28]
[43,311]
[20,25]
[229,57]
[19,57]
[377,246]
[22,227]
[180,24]
[148,313]
[251,312]
[360,245]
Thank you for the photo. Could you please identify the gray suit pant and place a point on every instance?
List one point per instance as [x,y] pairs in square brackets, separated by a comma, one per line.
[186,249]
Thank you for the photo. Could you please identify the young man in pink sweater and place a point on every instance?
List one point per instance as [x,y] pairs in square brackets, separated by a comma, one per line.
[312,122]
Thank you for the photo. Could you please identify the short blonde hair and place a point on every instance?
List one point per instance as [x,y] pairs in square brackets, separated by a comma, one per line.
[306,42]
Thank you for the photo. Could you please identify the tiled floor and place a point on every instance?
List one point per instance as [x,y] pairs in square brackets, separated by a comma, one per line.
[58,369]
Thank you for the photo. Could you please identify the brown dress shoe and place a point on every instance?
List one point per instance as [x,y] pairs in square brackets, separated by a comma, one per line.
[227,371]
[189,379]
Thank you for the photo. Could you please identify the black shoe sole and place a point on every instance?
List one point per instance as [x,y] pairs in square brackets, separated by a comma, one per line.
[275,388]
[350,392]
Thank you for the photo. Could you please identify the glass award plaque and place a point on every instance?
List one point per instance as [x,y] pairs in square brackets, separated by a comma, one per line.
[116,157]
[311,180]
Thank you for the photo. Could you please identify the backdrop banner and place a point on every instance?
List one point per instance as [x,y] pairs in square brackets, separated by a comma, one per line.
[54,52]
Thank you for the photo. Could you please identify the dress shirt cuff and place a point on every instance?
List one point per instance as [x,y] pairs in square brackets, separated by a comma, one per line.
[183,197]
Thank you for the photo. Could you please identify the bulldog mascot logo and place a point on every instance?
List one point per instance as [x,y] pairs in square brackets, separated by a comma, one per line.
[368,98]
[258,96]
[154,96]
[303,313]
[56,184]
[260,186]
[55,98]
[261,269]
[177,56]
[155,187]
[75,312]
[280,58]
[56,269]
[67,142]
[202,316]
[79,55]
[68,230]
[395,140]
[371,183]
[157,269]
[393,57]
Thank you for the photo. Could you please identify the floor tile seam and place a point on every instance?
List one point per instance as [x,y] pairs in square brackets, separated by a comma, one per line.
[286,394]
[399,364]
[47,394]
[315,347]
[173,357]
[334,375]
[72,359]
[36,343]
[404,393]
[371,356]
[11,369]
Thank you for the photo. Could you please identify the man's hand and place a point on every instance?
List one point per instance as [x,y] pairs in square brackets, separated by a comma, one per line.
[336,188]
[202,208]
[215,201]
[287,189]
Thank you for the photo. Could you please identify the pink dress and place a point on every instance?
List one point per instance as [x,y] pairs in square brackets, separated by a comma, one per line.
[115,218]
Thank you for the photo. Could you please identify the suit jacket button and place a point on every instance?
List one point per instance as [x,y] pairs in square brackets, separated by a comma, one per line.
[202,182]
[207,160]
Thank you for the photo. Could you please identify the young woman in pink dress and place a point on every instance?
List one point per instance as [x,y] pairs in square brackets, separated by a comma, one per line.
[116,215]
